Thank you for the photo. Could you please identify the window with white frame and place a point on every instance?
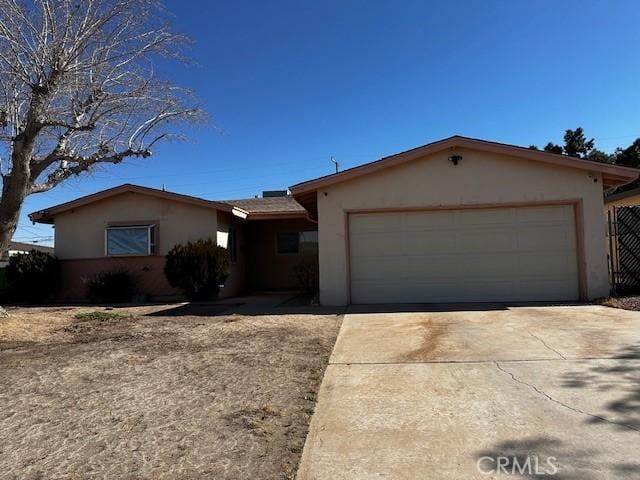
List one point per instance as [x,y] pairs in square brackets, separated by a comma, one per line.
[123,240]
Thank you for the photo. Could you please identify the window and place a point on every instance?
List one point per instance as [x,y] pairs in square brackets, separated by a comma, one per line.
[305,243]
[130,240]
[309,243]
[233,245]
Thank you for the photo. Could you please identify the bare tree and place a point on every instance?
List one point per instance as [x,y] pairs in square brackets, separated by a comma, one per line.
[78,88]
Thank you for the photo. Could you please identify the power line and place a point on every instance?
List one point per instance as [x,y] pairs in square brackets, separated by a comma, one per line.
[32,240]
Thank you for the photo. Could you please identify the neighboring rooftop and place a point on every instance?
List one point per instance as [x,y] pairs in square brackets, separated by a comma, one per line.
[22,247]
[613,197]
[269,206]
[26,247]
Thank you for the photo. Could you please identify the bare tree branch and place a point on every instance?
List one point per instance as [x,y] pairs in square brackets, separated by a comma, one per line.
[78,88]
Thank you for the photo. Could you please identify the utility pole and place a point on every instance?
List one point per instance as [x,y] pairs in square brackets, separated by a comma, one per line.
[333,160]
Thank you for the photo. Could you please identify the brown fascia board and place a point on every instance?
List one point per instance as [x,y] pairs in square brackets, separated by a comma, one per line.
[275,215]
[613,175]
[47,215]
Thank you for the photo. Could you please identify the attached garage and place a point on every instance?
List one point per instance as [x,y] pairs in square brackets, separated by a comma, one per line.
[463,220]
[467,255]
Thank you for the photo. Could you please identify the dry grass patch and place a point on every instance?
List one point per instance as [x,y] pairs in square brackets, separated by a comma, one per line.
[133,394]
[96,316]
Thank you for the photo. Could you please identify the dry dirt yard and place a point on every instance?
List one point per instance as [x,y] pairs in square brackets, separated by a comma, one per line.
[158,393]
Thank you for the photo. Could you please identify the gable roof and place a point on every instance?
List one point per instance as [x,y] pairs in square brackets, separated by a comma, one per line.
[612,175]
[47,215]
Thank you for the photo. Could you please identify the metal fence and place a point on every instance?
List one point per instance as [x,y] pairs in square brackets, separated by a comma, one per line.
[623,234]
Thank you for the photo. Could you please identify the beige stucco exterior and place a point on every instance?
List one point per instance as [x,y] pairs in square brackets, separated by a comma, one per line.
[80,244]
[631,201]
[480,178]
[236,282]
[80,233]
[80,237]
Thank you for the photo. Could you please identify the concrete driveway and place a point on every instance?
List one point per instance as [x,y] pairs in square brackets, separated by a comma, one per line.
[480,393]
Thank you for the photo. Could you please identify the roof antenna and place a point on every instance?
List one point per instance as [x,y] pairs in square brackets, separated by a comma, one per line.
[335,162]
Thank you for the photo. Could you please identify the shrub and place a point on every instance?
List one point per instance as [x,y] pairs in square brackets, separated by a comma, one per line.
[197,268]
[111,287]
[33,277]
[307,276]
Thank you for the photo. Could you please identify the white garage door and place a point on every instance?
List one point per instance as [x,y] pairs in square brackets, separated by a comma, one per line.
[472,255]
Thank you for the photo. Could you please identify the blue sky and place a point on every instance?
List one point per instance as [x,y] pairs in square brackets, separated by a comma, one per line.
[290,83]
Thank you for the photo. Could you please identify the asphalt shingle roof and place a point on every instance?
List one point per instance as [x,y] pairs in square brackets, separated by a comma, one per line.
[268,205]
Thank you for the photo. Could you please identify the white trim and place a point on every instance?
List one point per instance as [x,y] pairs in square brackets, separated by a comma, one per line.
[150,239]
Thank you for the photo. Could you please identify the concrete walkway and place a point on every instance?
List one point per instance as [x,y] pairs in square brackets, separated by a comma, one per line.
[484,393]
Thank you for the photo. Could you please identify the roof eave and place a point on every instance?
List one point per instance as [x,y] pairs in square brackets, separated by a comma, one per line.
[613,175]
[276,215]
[41,216]
[47,215]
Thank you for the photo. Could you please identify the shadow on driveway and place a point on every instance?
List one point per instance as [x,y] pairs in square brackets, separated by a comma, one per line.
[621,373]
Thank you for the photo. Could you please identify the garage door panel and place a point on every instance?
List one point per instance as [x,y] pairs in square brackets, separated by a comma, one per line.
[365,224]
[502,254]
[550,264]
[438,220]
[484,240]
[439,266]
[371,245]
[554,237]
[484,217]
[385,269]
[489,265]
[437,240]
[554,215]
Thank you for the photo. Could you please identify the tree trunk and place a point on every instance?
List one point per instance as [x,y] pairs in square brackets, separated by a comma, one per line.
[14,190]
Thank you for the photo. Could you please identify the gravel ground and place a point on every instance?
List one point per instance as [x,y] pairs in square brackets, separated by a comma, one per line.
[626,303]
[153,396]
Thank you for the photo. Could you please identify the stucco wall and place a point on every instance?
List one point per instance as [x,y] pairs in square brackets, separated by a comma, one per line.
[147,274]
[236,283]
[480,178]
[632,201]
[80,233]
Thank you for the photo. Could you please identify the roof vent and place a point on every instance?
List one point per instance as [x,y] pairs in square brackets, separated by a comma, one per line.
[274,193]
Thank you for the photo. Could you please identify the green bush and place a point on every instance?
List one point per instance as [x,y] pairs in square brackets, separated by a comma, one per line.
[197,268]
[111,287]
[33,277]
